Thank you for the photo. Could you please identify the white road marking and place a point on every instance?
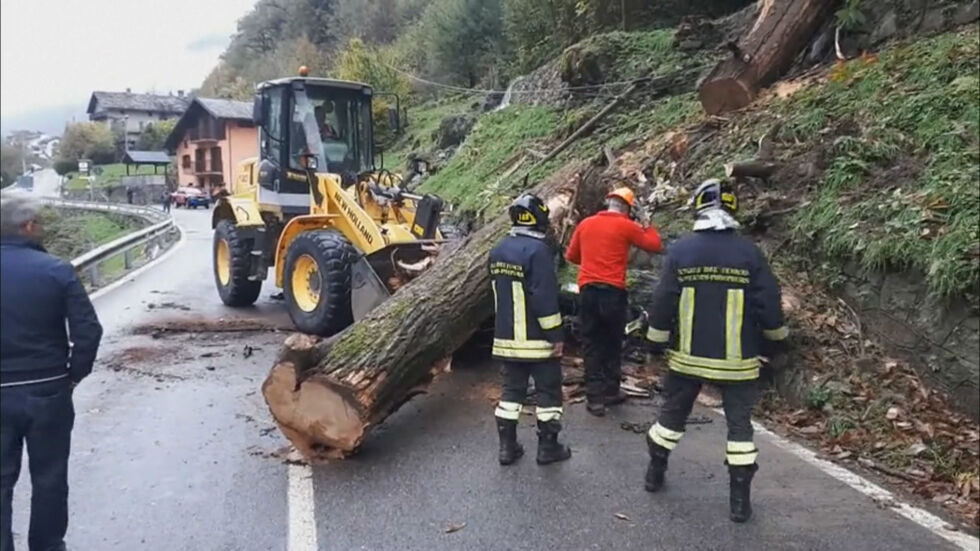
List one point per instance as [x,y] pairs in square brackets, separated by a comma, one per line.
[302,525]
[919,516]
[127,278]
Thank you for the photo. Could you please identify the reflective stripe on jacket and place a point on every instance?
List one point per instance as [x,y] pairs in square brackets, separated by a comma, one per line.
[716,300]
[525,290]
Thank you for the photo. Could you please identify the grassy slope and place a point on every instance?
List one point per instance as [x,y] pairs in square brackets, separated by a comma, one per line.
[895,144]
[477,180]
[71,233]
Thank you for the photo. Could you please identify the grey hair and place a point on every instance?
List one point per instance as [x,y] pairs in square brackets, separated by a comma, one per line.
[618,205]
[16,209]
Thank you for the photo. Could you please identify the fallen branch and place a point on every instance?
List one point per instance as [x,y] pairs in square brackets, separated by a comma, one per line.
[888,470]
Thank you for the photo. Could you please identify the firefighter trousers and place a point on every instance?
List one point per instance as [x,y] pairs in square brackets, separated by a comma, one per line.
[738,399]
[547,384]
[603,319]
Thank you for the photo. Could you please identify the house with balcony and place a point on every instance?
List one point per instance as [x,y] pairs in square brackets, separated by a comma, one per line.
[210,139]
[134,111]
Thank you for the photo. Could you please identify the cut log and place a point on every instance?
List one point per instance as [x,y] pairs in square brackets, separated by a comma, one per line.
[326,394]
[751,169]
[782,29]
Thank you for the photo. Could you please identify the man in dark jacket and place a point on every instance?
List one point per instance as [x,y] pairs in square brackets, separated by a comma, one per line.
[528,335]
[718,307]
[49,336]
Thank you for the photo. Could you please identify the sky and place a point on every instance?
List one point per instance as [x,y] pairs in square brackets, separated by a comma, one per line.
[55,53]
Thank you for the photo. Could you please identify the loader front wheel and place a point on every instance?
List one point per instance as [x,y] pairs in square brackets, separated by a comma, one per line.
[318,282]
[231,266]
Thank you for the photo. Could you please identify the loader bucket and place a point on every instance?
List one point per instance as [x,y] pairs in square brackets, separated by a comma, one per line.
[375,276]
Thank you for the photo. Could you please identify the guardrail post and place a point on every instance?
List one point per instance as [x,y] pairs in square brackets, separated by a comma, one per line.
[128,258]
[93,275]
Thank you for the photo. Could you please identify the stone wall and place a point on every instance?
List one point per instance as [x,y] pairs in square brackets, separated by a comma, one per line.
[941,338]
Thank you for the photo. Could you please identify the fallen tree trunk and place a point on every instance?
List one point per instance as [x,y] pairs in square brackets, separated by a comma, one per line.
[781,30]
[326,394]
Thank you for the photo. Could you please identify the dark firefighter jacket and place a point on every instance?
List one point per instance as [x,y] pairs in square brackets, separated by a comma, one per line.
[525,289]
[716,301]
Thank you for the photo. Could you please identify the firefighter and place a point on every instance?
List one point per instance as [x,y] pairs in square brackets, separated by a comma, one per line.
[717,306]
[600,246]
[528,336]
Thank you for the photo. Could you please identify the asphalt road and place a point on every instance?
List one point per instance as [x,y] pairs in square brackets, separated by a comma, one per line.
[173,449]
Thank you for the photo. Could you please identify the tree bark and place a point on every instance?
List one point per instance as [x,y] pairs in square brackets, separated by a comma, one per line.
[326,394]
[781,30]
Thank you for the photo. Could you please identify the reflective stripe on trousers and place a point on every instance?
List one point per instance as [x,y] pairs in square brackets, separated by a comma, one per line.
[741,453]
[508,410]
[546,414]
[665,437]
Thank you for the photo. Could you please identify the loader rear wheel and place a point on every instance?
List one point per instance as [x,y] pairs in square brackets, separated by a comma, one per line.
[231,266]
[318,282]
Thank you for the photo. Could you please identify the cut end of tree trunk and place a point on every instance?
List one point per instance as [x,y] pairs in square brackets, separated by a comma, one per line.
[782,28]
[317,419]
[725,94]
[750,169]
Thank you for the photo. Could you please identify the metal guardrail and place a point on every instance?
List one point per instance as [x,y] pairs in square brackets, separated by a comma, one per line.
[162,223]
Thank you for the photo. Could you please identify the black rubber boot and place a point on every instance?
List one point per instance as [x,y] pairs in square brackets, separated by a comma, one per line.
[658,466]
[510,449]
[596,408]
[740,477]
[616,398]
[550,450]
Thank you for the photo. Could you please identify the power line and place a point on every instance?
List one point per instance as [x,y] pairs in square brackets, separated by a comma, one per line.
[488,91]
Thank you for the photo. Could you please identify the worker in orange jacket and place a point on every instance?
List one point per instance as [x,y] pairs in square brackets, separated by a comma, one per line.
[600,246]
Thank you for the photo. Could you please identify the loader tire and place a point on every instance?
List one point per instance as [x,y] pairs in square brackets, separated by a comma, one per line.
[231,262]
[317,282]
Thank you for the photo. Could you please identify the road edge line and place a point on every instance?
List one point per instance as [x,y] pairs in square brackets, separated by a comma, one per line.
[299,496]
[127,278]
[919,516]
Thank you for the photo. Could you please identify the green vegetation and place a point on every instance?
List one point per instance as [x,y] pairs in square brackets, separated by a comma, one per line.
[86,140]
[111,174]
[900,190]
[422,121]
[69,233]
[11,162]
[895,148]
[473,180]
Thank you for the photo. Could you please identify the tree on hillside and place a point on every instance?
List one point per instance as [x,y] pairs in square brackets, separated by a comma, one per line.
[87,140]
[467,38]
[360,63]
[154,135]
[540,29]
[11,163]
[312,19]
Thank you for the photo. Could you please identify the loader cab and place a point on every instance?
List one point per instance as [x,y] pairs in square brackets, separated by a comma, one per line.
[301,117]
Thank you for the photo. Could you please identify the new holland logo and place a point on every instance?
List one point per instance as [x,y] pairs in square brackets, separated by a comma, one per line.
[353,217]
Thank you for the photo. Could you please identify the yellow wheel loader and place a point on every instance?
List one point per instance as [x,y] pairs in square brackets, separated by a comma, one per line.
[340,234]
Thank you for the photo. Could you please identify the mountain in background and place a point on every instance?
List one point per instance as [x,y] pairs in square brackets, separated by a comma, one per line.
[50,120]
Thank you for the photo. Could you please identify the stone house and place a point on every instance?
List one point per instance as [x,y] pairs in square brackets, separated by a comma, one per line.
[134,111]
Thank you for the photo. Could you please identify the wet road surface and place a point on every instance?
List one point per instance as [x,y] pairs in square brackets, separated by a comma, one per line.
[174,449]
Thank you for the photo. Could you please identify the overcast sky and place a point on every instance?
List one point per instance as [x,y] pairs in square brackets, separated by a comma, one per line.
[54,53]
